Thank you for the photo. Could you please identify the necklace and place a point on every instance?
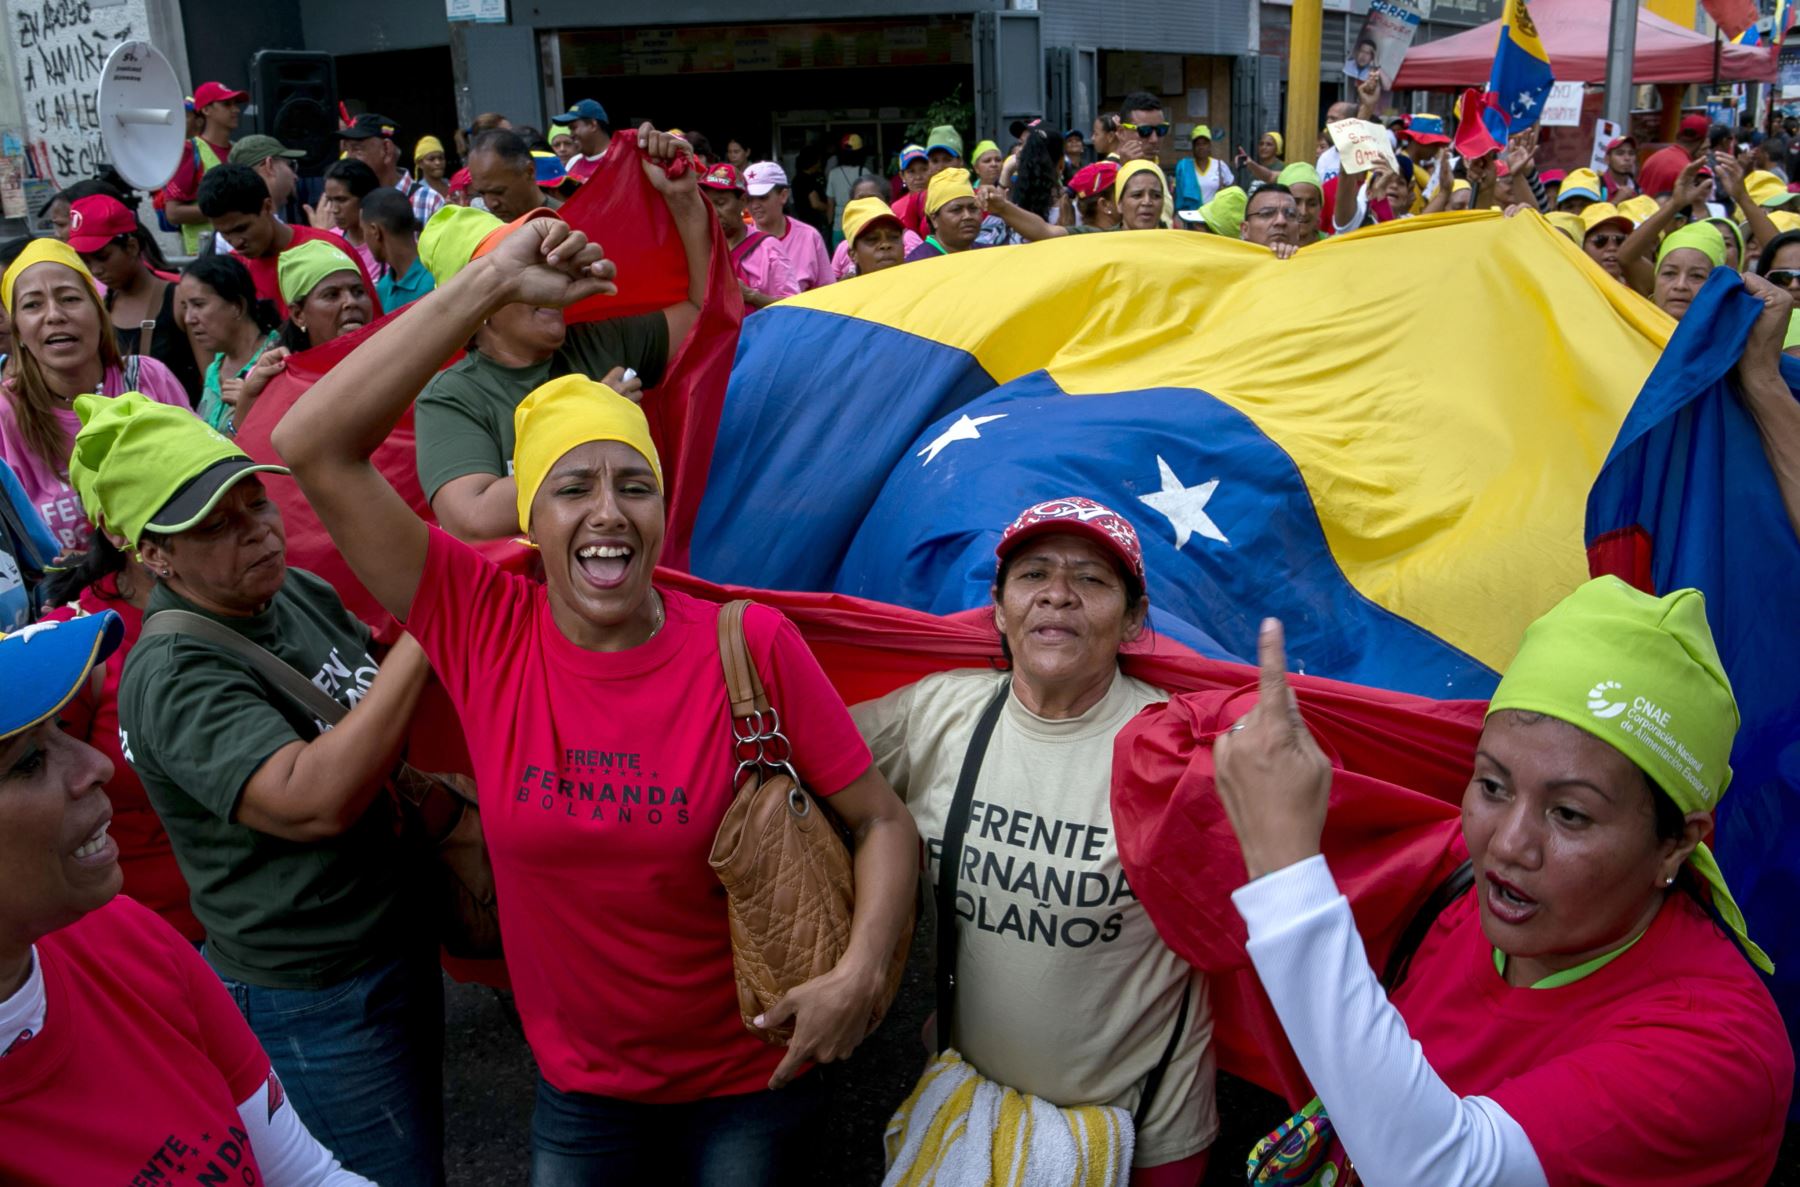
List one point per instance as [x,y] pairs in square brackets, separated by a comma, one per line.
[658,624]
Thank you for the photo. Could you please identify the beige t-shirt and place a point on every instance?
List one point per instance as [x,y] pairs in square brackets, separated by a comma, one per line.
[1064,989]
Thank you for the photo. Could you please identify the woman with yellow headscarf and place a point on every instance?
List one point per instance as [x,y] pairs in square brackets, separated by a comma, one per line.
[63,347]
[597,718]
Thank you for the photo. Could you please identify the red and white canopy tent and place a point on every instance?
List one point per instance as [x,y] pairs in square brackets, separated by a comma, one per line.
[1574,34]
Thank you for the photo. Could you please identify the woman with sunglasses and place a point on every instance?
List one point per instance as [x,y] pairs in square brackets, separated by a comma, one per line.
[1604,232]
[1780,262]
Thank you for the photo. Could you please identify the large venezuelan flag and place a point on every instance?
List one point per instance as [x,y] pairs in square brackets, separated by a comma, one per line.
[1521,74]
[1386,441]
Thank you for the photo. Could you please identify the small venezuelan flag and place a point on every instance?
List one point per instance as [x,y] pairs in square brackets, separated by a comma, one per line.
[1521,74]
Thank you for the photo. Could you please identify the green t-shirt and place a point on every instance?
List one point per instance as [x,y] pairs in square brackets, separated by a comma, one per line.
[464,417]
[1090,229]
[195,723]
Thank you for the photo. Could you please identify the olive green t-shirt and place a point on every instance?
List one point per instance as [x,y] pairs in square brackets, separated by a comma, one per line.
[464,417]
[196,722]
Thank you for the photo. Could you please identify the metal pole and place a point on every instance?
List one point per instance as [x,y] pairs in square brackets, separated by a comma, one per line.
[1621,48]
[1304,34]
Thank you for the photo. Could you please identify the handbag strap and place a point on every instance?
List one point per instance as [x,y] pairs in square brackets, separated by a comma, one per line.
[950,860]
[266,663]
[743,683]
[1448,891]
[1154,1080]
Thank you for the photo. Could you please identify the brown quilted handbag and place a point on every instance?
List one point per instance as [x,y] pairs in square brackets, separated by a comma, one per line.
[780,855]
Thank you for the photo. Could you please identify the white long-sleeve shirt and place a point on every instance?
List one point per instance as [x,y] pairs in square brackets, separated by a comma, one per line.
[1399,1122]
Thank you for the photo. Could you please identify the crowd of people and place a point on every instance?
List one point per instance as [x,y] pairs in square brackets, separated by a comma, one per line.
[206,866]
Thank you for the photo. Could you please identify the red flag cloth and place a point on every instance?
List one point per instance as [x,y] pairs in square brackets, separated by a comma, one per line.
[621,209]
[1732,16]
[1473,137]
[1400,765]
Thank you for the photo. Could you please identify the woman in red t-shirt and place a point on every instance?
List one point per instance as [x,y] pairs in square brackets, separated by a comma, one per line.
[597,719]
[122,1058]
[1587,1015]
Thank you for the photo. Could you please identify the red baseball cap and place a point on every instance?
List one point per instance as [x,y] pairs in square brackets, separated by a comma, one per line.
[1077,516]
[1695,125]
[208,93]
[723,176]
[1616,141]
[96,221]
[1094,179]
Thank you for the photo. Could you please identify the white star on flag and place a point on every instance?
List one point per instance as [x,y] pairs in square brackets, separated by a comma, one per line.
[967,428]
[1526,101]
[1184,506]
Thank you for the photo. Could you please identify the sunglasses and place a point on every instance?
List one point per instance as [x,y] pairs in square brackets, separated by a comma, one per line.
[1147,129]
[1784,277]
[1612,239]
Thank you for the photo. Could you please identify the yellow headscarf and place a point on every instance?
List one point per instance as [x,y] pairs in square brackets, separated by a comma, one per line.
[566,412]
[947,185]
[43,251]
[1131,170]
[1280,142]
[426,146]
[300,268]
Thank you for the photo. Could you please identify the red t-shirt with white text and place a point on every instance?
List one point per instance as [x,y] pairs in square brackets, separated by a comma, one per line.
[139,1069]
[1670,1065]
[603,777]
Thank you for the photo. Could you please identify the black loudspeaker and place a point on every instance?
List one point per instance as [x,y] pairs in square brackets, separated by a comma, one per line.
[294,95]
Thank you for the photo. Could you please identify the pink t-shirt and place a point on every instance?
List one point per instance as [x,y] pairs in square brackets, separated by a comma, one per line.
[805,250]
[1668,1066]
[140,1067]
[48,487]
[764,266]
[603,777]
[842,265]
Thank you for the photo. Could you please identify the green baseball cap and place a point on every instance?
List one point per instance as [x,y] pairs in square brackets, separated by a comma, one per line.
[140,466]
[254,150]
[1642,674]
[1224,215]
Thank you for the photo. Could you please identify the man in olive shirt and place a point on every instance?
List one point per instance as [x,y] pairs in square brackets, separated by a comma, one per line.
[464,417]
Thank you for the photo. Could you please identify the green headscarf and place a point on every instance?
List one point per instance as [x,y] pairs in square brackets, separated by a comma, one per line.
[1702,237]
[300,268]
[1224,215]
[1737,236]
[1300,173]
[1643,675]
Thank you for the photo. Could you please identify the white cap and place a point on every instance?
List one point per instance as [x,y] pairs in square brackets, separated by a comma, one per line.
[762,177]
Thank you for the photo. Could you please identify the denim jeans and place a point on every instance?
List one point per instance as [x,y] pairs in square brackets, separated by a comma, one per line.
[362,1064]
[758,1139]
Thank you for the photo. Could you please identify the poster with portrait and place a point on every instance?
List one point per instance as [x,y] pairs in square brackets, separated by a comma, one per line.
[1387,33]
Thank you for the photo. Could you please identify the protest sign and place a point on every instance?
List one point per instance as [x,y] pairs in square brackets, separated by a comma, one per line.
[1363,145]
[1386,35]
[1562,109]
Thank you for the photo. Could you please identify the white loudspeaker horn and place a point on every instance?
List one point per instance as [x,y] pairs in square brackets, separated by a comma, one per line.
[143,115]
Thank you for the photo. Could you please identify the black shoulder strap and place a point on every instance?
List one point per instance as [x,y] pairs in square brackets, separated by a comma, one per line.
[1447,892]
[277,671]
[1154,1080]
[950,860]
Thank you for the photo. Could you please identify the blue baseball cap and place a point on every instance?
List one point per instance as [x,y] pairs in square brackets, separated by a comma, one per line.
[44,664]
[911,153]
[587,109]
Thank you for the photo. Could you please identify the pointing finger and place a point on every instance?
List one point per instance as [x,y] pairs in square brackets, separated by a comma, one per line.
[1271,653]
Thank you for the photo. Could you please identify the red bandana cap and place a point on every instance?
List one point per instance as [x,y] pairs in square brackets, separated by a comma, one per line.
[1077,516]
